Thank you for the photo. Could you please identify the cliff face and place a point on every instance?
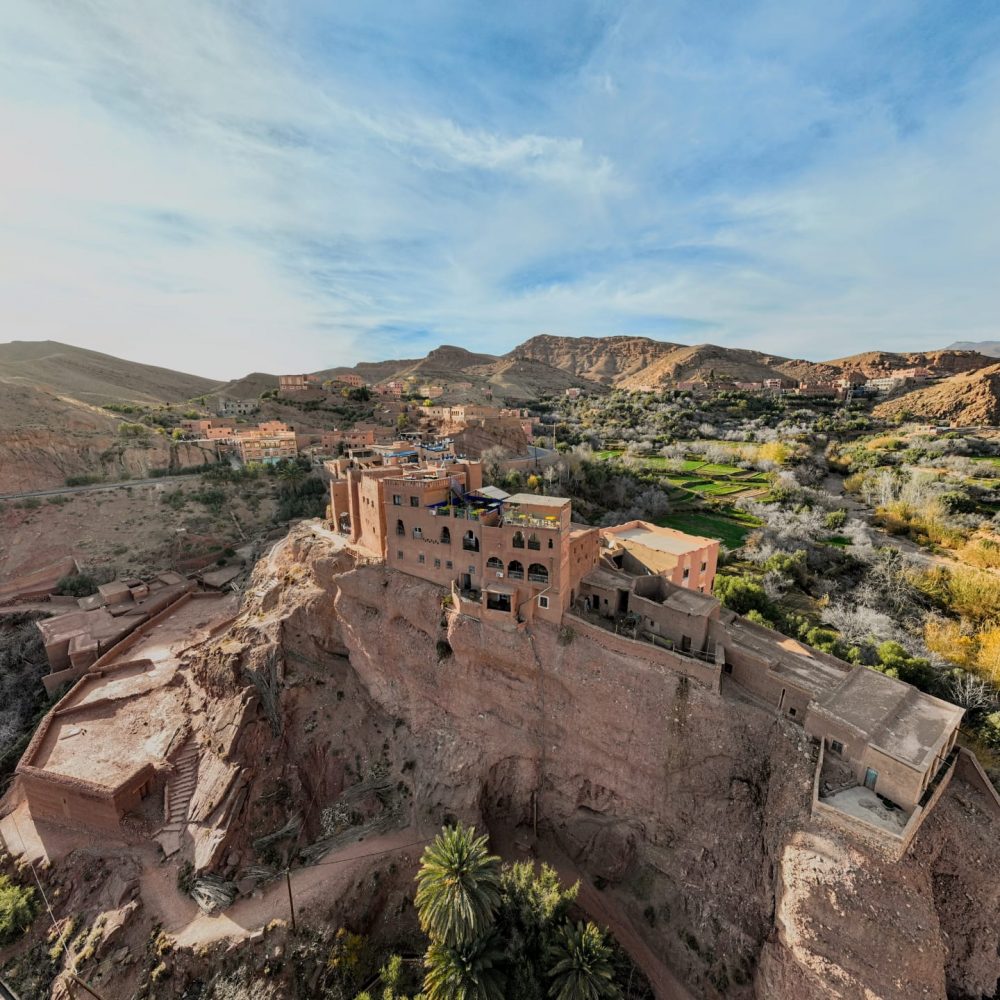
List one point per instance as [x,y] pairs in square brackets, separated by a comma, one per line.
[967,399]
[689,810]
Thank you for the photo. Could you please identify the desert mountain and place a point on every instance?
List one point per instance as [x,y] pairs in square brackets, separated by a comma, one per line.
[991,348]
[599,359]
[947,362]
[93,377]
[967,399]
[248,387]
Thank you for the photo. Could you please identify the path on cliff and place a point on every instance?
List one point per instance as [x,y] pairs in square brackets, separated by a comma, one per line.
[314,888]
[94,487]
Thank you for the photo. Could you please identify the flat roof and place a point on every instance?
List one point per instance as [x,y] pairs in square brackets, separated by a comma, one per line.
[811,668]
[895,717]
[662,539]
[538,501]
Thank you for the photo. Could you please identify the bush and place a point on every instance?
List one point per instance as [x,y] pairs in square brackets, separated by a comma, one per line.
[742,595]
[17,909]
[76,585]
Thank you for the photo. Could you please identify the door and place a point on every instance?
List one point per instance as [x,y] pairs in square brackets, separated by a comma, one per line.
[622,602]
[466,582]
[871,777]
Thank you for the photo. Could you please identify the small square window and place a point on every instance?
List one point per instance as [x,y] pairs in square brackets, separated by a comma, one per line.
[414,501]
[543,602]
[399,553]
[704,566]
[836,746]
[447,564]
[727,668]
[472,571]
[791,711]
[397,500]
[687,572]
[437,563]
[420,558]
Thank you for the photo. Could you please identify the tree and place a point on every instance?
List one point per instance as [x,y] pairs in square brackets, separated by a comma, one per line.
[581,965]
[17,909]
[458,887]
[464,972]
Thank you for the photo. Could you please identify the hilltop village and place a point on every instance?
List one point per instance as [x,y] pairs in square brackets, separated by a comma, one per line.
[521,616]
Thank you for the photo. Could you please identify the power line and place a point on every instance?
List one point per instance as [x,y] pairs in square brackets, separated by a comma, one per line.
[373,854]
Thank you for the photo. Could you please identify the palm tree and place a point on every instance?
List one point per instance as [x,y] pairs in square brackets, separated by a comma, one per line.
[468,972]
[458,887]
[581,965]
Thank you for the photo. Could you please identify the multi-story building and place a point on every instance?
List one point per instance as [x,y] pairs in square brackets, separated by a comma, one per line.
[297,383]
[269,442]
[349,378]
[393,389]
[237,407]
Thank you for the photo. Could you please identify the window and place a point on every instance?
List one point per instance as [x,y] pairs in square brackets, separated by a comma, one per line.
[687,572]
[550,543]
[704,566]
[686,643]
[727,668]
[518,540]
[400,528]
[418,532]
[497,602]
[494,565]
[414,501]
[537,573]
[543,602]
[420,558]
[469,542]
[446,535]
[533,542]
[399,553]
[515,570]
[836,746]
[397,500]
[437,563]
[472,571]
[447,564]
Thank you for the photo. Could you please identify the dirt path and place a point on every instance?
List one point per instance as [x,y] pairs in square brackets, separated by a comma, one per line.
[94,487]
[316,887]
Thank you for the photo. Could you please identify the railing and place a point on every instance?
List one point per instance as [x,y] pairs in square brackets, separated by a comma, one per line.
[517,543]
[538,577]
[470,545]
[527,521]
[515,574]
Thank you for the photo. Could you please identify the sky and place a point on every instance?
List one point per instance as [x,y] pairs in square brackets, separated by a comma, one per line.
[256,185]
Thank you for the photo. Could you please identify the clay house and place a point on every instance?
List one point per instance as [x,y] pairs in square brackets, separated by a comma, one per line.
[431,391]
[297,383]
[197,428]
[643,549]
[393,389]
[894,738]
[818,390]
[349,378]
[573,393]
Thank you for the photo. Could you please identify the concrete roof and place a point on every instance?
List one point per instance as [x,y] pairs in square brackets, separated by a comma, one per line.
[538,501]
[692,602]
[607,580]
[895,717]
[493,492]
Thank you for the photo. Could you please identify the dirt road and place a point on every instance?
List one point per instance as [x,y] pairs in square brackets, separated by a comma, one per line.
[93,487]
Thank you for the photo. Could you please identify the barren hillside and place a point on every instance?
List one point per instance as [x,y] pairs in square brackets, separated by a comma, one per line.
[874,364]
[991,348]
[600,359]
[93,377]
[968,399]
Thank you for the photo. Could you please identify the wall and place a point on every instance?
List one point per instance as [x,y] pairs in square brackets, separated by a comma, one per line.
[706,673]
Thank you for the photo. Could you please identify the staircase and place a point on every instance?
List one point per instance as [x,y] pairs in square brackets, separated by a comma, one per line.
[177,798]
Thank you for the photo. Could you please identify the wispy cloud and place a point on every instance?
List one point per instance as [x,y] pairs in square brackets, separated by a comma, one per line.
[225,186]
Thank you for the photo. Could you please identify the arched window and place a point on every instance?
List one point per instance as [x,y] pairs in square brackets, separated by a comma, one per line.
[515,570]
[494,565]
[469,541]
[400,527]
[446,535]
[537,573]
[518,540]
[533,542]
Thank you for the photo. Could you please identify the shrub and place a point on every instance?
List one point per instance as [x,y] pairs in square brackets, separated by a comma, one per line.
[742,595]
[76,585]
[17,909]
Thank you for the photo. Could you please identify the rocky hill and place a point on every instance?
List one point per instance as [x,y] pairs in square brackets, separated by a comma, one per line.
[991,348]
[874,364]
[94,377]
[248,387]
[600,359]
[968,399]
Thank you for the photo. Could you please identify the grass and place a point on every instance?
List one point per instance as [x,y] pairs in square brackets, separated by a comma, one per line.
[729,531]
[839,540]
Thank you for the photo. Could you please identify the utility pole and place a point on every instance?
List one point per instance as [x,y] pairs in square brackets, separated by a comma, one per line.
[291,904]
[74,978]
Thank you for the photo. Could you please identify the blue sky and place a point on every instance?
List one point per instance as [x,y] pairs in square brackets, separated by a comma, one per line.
[278,186]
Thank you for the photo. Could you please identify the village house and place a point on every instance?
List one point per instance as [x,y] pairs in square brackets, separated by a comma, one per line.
[236,407]
[268,443]
[349,378]
[393,389]
[297,383]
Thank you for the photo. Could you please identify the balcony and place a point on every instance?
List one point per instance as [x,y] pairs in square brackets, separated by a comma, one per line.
[470,544]
[515,574]
[538,577]
[534,543]
[551,522]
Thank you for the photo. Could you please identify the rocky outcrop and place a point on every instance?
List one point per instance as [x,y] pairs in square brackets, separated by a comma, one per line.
[966,400]
[687,809]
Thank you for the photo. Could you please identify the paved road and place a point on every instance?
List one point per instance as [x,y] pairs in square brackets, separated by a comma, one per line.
[94,487]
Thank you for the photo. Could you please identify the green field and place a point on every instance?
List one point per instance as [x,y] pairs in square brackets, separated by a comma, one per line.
[730,532]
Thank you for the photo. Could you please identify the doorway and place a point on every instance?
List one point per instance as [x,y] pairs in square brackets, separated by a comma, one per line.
[871,777]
